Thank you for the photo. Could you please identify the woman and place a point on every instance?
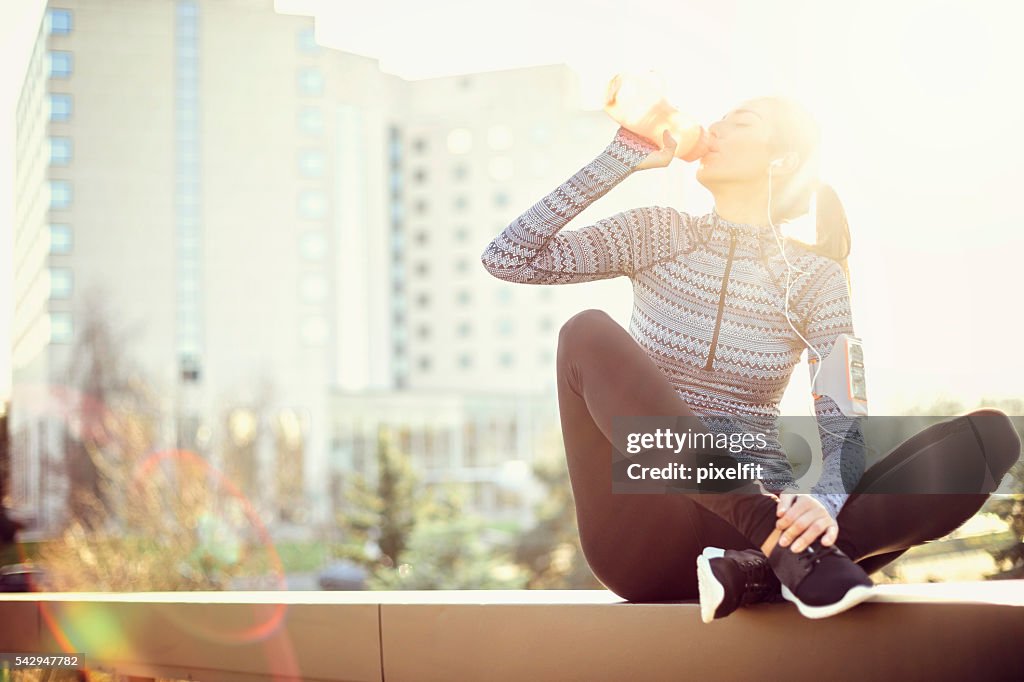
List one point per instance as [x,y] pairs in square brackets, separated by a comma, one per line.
[723,309]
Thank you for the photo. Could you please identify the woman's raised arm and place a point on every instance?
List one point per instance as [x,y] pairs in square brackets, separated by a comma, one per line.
[532,250]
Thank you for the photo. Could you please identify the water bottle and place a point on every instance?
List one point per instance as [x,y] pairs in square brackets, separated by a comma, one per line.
[637,102]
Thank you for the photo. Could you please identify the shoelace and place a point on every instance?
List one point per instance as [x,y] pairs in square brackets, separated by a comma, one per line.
[813,556]
[759,582]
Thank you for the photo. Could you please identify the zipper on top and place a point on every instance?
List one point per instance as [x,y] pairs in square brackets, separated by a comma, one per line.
[721,302]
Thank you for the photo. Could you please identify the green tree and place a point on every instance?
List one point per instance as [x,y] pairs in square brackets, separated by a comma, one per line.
[413,537]
[448,550]
[379,514]
[550,552]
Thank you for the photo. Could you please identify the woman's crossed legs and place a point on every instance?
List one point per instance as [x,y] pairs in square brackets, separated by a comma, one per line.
[644,547]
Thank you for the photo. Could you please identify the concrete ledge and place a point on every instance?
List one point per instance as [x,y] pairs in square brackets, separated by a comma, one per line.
[939,631]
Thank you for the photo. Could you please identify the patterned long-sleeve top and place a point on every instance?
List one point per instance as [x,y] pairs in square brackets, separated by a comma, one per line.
[708,306]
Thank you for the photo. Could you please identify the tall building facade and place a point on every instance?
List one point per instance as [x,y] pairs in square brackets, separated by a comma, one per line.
[267,221]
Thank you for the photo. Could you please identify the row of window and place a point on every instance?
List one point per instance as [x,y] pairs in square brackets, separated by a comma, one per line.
[505,327]
[461,202]
[189,327]
[465,360]
[462,296]
[499,138]
[500,168]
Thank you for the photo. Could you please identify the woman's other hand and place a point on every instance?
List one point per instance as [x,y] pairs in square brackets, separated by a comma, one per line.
[801,518]
[661,157]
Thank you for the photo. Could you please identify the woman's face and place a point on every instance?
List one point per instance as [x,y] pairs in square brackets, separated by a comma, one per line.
[741,146]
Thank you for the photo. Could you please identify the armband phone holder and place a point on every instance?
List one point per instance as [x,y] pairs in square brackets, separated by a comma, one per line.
[841,376]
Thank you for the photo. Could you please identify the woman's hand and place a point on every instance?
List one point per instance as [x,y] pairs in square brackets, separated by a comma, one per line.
[802,519]
[661,157]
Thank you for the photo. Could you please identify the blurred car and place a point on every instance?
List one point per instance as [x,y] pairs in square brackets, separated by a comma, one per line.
[343,575]
[22,578]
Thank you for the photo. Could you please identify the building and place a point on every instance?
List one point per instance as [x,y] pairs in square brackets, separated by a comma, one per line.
[267,226]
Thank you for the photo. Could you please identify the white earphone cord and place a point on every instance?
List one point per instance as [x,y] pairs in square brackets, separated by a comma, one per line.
[789,270]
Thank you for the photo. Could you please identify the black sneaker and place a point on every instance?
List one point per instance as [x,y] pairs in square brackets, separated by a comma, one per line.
[731,578]
[822,581]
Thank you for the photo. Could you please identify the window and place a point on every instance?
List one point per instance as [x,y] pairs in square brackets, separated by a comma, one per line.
[307,40]
[313,288]
[312,204]
[311,121]
[506,359]
[311,163]
[314,331]
[424,363]
[505,326]
[423,331]
[461,202]
[419,145]
[462,266]
[313,246]
[461,234]
[60,194]
[463,297]
[60,238]
[422,237]
[423,299]
[501,199]
[461,171]
[61,327]
[60,151]
[61,63]
[503,294]
[311,81]
[60,107]
[465,360]
[60,283]
[464,329]
[546,324]
[58,21]
[460,141]
[420,175]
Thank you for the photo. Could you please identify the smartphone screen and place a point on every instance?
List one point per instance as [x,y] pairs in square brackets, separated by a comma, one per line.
[858,385]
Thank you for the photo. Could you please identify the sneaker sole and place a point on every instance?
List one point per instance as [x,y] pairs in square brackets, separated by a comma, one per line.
[854,596]
[712,592]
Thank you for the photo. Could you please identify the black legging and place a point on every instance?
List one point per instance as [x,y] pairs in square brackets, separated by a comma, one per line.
[643,547]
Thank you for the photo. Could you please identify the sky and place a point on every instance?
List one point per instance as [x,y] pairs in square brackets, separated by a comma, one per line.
[916,99]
